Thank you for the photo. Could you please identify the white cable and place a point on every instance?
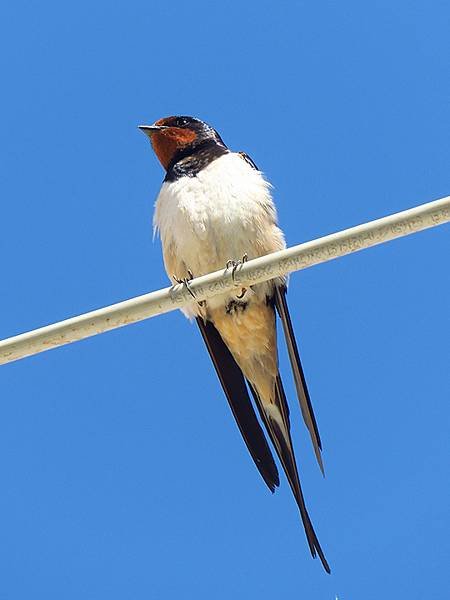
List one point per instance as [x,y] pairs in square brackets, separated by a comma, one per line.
[250,273]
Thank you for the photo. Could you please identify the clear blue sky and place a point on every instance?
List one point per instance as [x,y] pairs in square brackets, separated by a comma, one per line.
[122,473]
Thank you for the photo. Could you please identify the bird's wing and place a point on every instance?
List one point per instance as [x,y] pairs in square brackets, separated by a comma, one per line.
[276,419]
[248,160]
[233,384]
[299,377]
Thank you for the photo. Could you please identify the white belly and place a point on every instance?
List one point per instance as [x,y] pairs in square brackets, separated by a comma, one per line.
[224,212]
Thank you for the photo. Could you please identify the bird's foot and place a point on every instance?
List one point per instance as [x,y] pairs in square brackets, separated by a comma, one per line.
[185,281]
[234,264]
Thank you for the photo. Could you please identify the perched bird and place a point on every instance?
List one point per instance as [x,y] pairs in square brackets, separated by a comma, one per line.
[215,209]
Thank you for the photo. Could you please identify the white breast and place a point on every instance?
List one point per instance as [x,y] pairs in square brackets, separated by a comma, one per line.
[224,212]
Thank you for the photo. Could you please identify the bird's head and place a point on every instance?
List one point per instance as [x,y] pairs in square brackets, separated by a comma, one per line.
[174,138]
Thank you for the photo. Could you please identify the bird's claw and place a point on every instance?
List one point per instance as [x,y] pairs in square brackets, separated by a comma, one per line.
[185,281]
[234,264]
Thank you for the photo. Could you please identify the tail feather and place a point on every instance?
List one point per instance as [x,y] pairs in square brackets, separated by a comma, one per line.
[275,417]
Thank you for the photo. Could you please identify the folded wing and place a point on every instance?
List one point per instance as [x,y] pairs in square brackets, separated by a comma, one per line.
[233,384]
[299,377]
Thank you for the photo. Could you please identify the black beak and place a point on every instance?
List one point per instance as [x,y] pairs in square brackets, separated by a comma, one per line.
[151,129]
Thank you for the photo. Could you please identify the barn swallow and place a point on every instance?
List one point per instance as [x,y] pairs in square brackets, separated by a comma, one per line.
[214,208]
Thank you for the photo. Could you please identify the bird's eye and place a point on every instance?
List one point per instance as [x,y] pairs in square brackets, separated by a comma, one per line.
[182,122]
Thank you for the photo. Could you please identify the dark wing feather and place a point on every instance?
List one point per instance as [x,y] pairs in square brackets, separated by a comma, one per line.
[233,384]
[280,436]
[248,160]
[299,377]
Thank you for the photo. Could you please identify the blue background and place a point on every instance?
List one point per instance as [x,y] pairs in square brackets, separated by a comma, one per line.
[122,473]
